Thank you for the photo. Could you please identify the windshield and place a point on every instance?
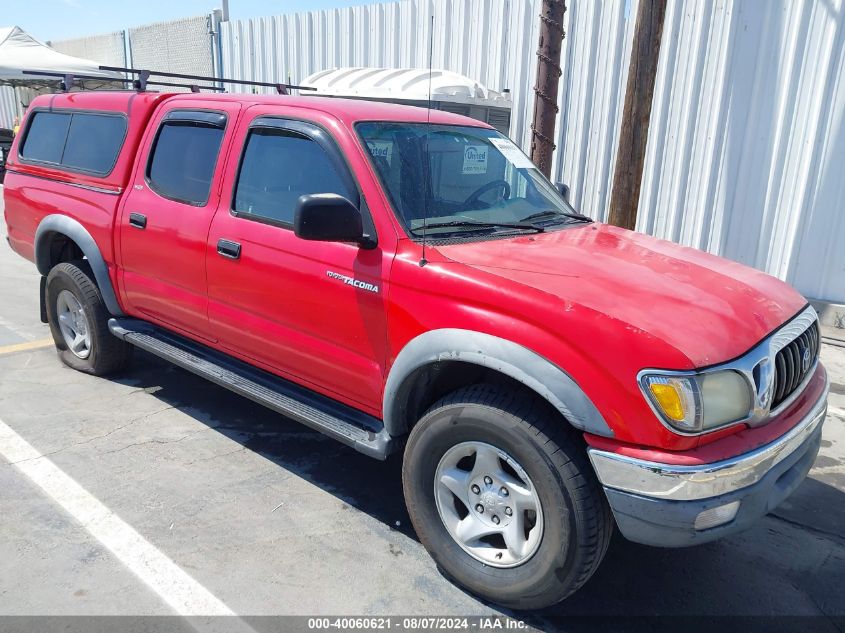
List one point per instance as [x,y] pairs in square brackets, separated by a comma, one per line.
[475,179]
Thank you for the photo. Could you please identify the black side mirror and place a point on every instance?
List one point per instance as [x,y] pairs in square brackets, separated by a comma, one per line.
[328,217]
[563,190]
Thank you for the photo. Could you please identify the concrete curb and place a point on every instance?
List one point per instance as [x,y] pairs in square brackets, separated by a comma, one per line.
[832,320]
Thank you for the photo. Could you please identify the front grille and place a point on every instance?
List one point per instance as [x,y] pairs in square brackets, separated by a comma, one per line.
[794,362]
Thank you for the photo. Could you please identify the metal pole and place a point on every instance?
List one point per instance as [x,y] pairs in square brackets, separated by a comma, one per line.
[216,19]
[642,71]
[545,90]
[225,10]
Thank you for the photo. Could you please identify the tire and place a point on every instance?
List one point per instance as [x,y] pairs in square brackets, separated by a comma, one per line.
[574,515]
[104,353]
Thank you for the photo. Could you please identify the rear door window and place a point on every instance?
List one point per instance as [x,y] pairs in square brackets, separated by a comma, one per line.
[184,155]
[77,141]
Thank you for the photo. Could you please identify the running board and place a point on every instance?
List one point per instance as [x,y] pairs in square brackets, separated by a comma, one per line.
[354,428]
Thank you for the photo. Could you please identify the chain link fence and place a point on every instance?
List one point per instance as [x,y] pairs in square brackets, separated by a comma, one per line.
[108,49]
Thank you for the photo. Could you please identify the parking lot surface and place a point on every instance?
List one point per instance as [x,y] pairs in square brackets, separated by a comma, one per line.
[157,469]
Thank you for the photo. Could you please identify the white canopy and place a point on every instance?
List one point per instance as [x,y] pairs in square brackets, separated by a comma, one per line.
[19,51]
[404,83]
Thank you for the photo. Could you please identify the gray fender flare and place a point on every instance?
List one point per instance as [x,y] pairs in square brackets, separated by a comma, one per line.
[74,230]
[511,359]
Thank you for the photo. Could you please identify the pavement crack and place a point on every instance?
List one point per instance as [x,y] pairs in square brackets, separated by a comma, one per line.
[809,528]
[152,441]
[161,441]
[218,456]
[146,416]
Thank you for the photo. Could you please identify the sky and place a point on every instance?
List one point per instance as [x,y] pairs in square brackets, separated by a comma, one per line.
[62,19]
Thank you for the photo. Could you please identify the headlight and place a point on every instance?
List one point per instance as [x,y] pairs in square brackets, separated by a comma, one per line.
[693,403]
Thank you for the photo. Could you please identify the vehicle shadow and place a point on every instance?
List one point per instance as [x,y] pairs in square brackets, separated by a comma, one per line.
[789,564]
[371,486]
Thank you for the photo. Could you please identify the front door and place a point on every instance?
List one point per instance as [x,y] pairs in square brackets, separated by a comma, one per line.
[291,305]
[165,218]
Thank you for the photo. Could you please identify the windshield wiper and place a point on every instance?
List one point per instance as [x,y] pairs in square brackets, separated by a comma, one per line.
[484,225]
[549,213]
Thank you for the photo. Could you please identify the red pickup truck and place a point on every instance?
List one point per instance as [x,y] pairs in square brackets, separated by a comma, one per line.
[401,279]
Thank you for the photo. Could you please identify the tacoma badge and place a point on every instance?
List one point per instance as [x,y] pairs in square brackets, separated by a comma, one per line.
[349,281]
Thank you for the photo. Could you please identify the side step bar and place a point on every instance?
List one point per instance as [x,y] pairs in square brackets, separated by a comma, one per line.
[354,428]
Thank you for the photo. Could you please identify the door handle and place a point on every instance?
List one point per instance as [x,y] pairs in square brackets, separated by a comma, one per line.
[138,220]
[228,248]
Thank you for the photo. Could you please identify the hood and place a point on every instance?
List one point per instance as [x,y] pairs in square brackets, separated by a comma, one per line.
[708,308]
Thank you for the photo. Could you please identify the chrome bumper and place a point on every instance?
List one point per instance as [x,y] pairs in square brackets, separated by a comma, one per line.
[686,483]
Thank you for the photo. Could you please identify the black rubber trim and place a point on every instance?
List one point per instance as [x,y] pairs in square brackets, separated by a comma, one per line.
[350,426]
[138,220]
[228,248]
[211,118]
[42,293]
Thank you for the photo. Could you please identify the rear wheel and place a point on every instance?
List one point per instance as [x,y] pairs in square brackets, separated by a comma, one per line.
[78,321]
[501,493]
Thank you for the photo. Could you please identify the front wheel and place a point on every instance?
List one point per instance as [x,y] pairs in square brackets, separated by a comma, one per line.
[500,492]
[78,320]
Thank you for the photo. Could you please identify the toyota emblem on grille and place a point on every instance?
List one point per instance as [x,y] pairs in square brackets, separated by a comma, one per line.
[805,360]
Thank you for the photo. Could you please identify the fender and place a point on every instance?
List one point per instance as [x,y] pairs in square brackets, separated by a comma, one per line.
[57,223]
[509,358]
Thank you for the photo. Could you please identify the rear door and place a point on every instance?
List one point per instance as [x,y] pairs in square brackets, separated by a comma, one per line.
[165,218]
[288,304]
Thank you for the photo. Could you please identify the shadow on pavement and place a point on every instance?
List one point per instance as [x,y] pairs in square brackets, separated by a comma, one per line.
[789,566]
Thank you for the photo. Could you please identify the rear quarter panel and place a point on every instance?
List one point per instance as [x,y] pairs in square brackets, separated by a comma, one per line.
[33,191]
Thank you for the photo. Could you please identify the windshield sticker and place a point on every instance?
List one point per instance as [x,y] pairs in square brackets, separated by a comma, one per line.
[512,153]
[381,149]
[475,159]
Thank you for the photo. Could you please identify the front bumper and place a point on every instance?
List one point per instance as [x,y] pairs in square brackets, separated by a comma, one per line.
[662,504]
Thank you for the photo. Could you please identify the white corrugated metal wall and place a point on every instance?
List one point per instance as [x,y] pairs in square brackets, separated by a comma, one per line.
[492,41]
[747,135]
[599,36]
[8,106]
[11,100]
[483,39]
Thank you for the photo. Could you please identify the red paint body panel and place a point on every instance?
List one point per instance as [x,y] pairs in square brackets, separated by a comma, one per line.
[708,308]
[277,306]
[163,267]
[32,191]
[597,301]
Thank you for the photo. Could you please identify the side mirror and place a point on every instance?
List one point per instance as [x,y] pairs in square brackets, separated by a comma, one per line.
[328,217]
[563,190]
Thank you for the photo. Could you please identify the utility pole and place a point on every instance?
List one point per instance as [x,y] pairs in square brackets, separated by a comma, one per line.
[545,90]
[630,156]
